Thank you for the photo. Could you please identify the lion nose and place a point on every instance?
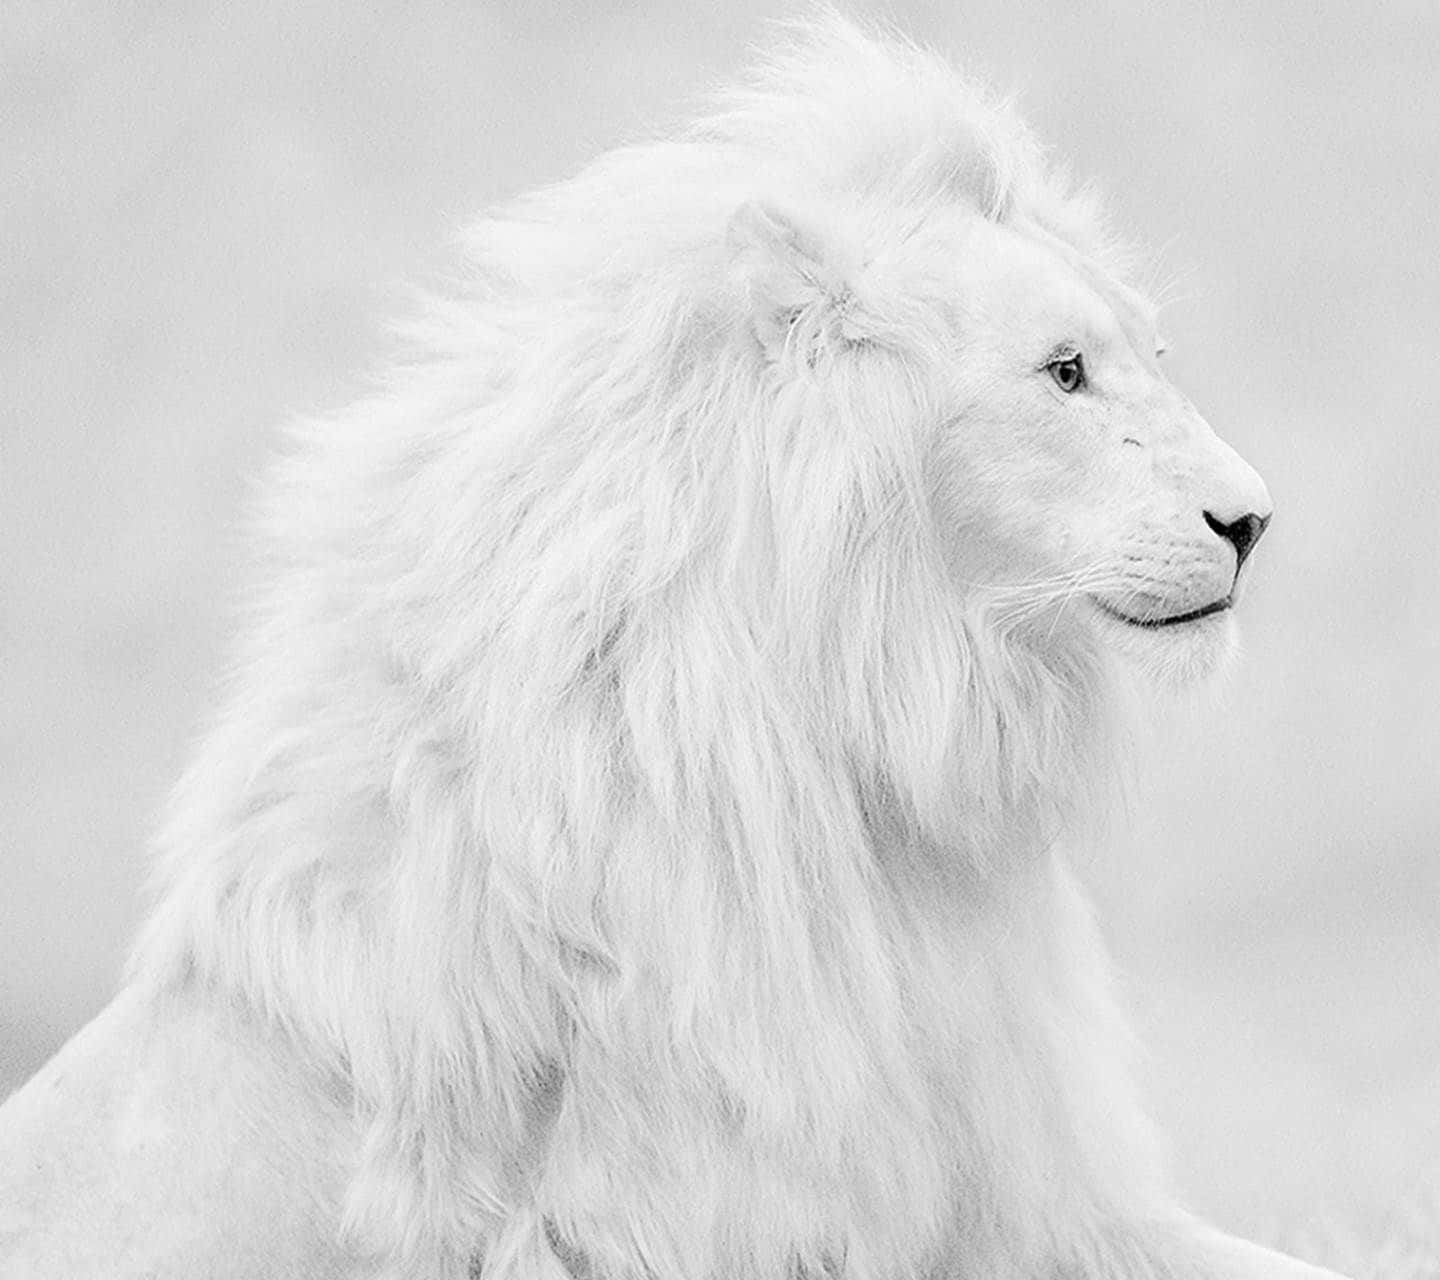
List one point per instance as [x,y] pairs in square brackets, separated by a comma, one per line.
[1242,534]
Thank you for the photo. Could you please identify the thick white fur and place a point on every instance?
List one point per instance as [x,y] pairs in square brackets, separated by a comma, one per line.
[646,779]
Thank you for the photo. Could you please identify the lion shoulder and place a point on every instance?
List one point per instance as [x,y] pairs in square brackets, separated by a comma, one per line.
[119,1158]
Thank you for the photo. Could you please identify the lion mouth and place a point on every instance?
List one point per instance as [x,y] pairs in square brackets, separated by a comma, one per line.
[1168,620]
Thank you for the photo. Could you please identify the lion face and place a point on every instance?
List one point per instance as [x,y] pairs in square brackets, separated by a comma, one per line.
[1077,482]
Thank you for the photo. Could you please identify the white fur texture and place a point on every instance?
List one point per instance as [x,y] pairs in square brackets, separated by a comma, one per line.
[646,770]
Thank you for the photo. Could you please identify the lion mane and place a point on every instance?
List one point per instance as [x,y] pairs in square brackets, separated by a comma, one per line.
[615,791]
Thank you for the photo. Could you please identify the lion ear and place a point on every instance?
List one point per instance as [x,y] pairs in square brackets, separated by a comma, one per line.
[787,269]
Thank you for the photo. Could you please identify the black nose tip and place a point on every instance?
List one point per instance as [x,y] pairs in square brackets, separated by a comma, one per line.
[1242,534]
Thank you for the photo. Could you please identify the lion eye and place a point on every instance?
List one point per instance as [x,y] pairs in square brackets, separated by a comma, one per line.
[1069,373]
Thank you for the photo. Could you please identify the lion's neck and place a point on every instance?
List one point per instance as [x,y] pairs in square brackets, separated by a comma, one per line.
[772,944]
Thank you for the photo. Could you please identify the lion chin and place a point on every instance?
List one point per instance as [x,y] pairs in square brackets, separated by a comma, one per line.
[1175,655]
[637,840]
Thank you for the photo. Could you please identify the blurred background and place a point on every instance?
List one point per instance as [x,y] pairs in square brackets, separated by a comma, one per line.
[206,211]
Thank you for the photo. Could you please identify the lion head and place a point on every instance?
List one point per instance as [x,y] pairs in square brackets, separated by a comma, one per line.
[734,572]
[1077,475]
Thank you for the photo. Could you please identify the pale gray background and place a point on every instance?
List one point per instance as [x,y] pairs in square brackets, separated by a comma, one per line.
[205,209]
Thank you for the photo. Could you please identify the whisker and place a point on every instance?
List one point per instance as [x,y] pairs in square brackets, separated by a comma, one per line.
[1014,602]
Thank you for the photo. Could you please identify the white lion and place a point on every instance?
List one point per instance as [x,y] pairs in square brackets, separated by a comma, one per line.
[635,841]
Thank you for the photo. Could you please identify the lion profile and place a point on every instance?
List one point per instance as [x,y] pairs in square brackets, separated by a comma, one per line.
[643,800]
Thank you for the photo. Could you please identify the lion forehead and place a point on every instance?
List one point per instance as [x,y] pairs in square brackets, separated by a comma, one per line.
[1024,286]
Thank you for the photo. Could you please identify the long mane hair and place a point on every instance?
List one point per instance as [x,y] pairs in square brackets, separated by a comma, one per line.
[608,738]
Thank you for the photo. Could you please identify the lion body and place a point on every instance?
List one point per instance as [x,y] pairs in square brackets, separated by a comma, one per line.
[631,804]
